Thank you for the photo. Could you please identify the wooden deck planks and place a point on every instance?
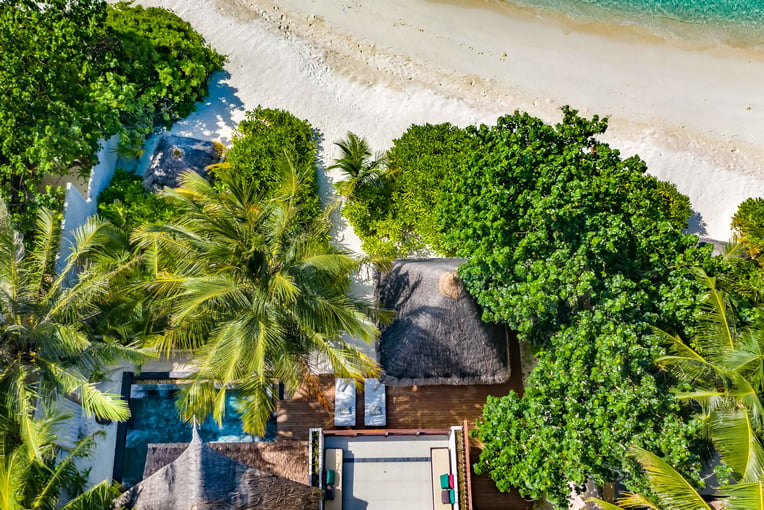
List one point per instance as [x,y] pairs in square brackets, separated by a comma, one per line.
[413,407]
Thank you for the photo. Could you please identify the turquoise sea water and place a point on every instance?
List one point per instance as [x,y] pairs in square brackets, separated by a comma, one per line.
[733,22]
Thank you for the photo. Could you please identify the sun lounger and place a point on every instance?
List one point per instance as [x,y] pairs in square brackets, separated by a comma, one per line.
[374,412]
[344,403]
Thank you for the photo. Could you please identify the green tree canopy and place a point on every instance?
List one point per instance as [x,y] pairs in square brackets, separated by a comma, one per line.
[55,102]
[748,227]
[76,71]
[267,140]
[46,478]
[395,217]
[580,252]
[256,297]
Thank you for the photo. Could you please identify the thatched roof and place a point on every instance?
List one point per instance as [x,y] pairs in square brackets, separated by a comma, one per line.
[201,477]
[437,336]
[285,458]
[175,155]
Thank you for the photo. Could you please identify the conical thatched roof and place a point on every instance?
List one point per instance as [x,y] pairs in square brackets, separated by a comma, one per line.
[202,478]
[437,336]
[175,155]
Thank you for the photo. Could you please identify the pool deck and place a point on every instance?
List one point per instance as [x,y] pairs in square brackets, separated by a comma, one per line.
[413,408]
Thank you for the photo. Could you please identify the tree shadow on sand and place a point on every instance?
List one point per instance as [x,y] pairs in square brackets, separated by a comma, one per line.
[696,225]
[217,115]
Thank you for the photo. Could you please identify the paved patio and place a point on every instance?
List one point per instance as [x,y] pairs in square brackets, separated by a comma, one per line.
[386,473]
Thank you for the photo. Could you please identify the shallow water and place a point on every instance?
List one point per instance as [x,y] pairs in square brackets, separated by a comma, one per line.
[729,22]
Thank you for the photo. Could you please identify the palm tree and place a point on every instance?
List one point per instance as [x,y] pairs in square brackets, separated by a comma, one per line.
[32,480]
[725,371]
[256,297]
[47,349]
[357,164]
[673,492]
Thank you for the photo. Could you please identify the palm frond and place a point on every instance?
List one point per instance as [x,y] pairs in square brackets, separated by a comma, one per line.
[604,505]
[739,444]
[633,500]
[101,496]
[672,490]
[743,496]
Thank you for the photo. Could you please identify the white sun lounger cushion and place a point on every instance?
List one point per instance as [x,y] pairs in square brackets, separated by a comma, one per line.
[344,403]
[375,400]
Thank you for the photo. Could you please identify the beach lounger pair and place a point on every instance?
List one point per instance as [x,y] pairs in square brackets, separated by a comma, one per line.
[375,413]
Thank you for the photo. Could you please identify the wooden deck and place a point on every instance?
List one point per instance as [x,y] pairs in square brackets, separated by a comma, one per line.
[414,407]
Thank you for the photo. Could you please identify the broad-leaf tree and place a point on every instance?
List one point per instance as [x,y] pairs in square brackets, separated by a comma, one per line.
[257,296]
[579,251]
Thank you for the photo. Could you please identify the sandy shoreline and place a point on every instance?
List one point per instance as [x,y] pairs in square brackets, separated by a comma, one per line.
[694,113]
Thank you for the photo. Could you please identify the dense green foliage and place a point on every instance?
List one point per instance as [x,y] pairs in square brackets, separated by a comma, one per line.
[748,226]
[126,204]
[358,166]
[721,369]
[55,103]
[269,141]
[580,252]
[162,63]
[395,216]
[254,295]
[48,347]
[76,71]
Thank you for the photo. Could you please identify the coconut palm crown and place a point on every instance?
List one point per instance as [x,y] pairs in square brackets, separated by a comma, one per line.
[254,296]
[47,348]
[358,164]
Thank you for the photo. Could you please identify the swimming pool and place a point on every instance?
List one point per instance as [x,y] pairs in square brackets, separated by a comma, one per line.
[154,419]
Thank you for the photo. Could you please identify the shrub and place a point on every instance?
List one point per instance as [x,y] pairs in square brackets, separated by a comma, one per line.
[266,140]
[748,227]
[127,204]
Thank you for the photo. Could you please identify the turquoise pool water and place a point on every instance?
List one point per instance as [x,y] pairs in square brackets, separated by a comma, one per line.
[155,420]
[736,22]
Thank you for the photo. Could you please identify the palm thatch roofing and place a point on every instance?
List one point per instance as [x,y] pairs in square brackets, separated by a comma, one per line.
[201,477]
[175,155]
[437,335]
[287,458]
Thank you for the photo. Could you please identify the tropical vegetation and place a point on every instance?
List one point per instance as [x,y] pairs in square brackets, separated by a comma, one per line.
[265,141]
[392,209]
[48,348]
[77,71]
[255,295]
[39,474]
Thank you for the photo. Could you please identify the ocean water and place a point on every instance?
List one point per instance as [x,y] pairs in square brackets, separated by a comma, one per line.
[729,22]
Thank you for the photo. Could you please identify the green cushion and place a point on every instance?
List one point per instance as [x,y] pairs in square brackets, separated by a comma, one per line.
[444,482]
[330,477]
[452,493]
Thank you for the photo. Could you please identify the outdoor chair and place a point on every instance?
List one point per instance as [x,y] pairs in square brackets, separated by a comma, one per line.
[344,403]
[375,413]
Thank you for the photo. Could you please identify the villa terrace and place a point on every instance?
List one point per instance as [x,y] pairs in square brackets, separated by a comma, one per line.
[410,409]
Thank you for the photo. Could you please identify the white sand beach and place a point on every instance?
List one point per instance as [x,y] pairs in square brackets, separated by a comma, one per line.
[692,110]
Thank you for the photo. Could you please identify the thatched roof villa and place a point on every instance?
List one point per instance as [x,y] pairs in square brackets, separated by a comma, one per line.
[175,155]
[196,476]
[437,336]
